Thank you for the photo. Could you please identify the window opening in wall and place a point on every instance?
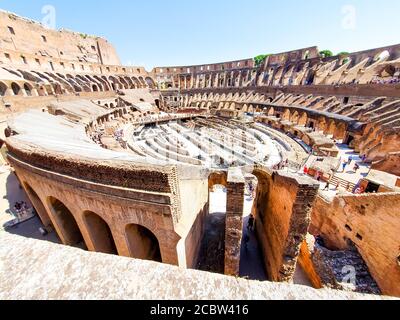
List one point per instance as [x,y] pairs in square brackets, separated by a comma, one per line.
[44,38]
[372,187]
[11,30]
[348,227]
[24,60]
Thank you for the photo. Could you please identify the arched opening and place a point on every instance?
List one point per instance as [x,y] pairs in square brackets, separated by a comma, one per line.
[142,243]
[28,89]
[212,248]
[100,233]
[95,88]
[15,88]
[262,216]
[3,89]
[251,258]
[66,223]
[38,205]
[150,82]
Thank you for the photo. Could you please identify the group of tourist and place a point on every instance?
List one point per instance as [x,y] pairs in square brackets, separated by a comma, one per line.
[356,166]
[21,209]
[96,137]
[393,80]
[120,138]
[281,165]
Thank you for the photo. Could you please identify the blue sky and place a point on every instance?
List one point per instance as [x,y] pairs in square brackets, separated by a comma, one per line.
[183,32]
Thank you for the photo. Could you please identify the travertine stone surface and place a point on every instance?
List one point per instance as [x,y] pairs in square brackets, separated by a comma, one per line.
[32,269]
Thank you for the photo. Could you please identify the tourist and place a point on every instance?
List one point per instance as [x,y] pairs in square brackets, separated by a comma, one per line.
[318,176]
[327,186]
[344,164]
[250,224]
[305,170]
[350,160]
[364,158]
[359,190]
[356,167]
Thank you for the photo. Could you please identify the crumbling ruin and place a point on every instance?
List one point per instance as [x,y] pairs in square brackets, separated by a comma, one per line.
[119,160]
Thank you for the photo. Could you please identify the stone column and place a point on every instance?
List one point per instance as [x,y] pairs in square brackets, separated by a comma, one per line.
[234,221]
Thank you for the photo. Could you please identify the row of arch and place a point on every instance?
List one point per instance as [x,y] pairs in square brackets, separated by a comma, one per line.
[48,83]
[344,70]
[142,243]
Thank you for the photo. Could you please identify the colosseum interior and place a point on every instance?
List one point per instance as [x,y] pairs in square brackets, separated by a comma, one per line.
[168,165]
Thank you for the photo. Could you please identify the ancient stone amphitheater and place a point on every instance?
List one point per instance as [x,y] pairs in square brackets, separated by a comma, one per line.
[121,161]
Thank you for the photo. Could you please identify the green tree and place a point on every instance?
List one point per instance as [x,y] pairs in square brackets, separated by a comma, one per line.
[260,59]
[326,53]
[343,53]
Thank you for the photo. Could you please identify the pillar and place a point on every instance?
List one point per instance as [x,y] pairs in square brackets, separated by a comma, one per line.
[234,221]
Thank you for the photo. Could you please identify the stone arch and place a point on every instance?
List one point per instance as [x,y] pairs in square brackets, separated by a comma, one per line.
[16,88]
[38,205]
[3,89]
[330,130]
[150,82]
[124,83]
[136,82]
[340,131]
[271,111]
[322,124]
[303,119]
[95,88]
[217,178]
[65,221]
[99,233]
[251,109]
[294,118]
[286,114]
[28,89]
[142,243]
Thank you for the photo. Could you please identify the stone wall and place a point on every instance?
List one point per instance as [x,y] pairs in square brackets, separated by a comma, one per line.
[121,216]
[63,273]
[31,37]
[104,172]
[372,223]
[283,214]
[234,222]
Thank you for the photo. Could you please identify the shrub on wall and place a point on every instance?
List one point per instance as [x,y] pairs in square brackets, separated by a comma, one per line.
[260,59]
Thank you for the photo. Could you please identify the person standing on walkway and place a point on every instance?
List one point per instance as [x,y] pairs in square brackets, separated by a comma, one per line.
[344,164]
[250,224]
[350,160]
[327,186]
